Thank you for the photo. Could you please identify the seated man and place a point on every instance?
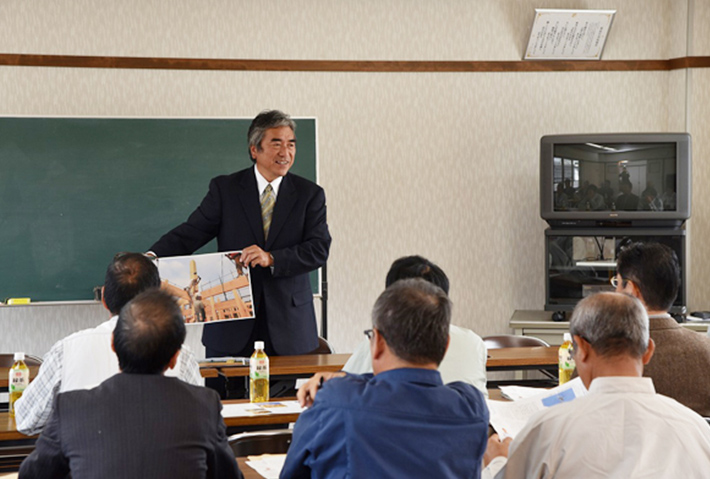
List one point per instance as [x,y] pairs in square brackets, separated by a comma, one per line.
[679,367]
[622,428]
[403,421]
[84,359]
[465,360]
[138,423]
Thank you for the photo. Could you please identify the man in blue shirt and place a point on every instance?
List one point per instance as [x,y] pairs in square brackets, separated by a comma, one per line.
[402,421]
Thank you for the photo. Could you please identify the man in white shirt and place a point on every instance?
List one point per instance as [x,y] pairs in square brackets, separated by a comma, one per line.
[622,428]
[465,360]
[84,359]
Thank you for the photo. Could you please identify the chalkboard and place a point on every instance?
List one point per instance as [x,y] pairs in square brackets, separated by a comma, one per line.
[75,191]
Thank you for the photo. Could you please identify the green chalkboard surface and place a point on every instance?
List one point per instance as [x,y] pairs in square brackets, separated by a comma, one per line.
[74,191]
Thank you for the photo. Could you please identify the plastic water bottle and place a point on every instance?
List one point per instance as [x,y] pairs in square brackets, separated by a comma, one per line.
[19,379]
[259,374]
[565,360]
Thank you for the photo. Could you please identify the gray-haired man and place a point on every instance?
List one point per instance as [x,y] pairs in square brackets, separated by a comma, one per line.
[278,221]
[403,421]
[622,428]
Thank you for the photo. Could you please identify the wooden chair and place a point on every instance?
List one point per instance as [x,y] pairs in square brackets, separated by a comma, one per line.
[324,347]
[261,442]
[8,359]
[12,456]
[286,387]
[512,341]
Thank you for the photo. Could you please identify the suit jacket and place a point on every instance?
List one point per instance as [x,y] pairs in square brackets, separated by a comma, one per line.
[298,240]
[679,366]
[134,425]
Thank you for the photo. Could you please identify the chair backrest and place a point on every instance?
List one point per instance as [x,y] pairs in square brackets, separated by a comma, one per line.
[8,359]
[512,341]
[324,347]
[261,442]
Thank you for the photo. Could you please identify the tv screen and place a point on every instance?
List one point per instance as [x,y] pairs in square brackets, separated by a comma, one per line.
[615,179]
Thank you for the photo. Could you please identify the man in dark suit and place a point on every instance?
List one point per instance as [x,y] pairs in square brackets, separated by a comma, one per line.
[278,220]
[138,423]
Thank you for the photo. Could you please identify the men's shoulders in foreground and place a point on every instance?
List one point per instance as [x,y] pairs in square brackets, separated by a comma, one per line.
[678,337]
[125,386]
[420,390]
[679,367]
[36,404]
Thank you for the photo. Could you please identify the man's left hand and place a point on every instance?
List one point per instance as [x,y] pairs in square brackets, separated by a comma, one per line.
[255,256]
[496,448]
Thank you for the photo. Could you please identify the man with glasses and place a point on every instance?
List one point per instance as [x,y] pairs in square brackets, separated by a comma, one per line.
[680,366]
[622,428]
[465,360]
[402,421]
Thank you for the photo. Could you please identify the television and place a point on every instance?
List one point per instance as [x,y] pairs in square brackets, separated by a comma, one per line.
[615,179]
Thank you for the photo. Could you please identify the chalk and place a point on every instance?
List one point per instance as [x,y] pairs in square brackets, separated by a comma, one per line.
[18,301]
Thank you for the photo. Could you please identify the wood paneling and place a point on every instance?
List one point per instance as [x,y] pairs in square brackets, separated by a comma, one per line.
[76,61]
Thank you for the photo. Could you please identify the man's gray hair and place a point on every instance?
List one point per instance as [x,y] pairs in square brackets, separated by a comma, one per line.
[612,323]
[266,120]
[413,316]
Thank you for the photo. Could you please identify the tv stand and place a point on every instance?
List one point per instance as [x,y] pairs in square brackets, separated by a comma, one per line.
[582,261]
[538,323]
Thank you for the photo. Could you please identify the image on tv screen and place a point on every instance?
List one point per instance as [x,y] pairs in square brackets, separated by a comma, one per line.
[615,177]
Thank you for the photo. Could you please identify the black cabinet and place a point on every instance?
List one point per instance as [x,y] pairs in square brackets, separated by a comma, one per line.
[580,262]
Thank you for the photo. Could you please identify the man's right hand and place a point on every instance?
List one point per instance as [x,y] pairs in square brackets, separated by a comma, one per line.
[307,393]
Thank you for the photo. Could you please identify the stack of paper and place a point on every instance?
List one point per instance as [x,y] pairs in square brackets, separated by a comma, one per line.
[267,465]
[509,417]
[261,408]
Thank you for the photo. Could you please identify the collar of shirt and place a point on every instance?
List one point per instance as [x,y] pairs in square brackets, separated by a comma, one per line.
[662,321]
[622,384]
[261,183]
[414,375]
[110,324]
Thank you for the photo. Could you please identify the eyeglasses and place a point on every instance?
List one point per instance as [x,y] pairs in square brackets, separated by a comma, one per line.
[370,333]
[615,281]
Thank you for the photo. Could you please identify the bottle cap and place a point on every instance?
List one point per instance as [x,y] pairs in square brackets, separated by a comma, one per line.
[567,337]
[19,356]
[258,344]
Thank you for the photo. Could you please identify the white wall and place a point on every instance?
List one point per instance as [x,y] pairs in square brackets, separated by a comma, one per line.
[439,164]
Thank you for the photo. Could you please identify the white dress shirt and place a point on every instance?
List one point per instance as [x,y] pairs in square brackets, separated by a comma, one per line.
[82,360]
[262,183]
[465,360]
[621,429]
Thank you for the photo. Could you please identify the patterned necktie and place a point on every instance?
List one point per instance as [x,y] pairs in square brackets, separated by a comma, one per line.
[268,200]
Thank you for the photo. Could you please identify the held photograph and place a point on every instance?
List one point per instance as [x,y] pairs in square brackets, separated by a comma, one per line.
[208,287]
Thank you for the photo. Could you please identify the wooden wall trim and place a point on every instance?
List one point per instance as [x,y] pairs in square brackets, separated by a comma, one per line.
[163,63]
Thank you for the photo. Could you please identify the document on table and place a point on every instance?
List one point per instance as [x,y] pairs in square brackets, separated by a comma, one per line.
[516,393]
[261,408]
[509,417]
[267,465]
